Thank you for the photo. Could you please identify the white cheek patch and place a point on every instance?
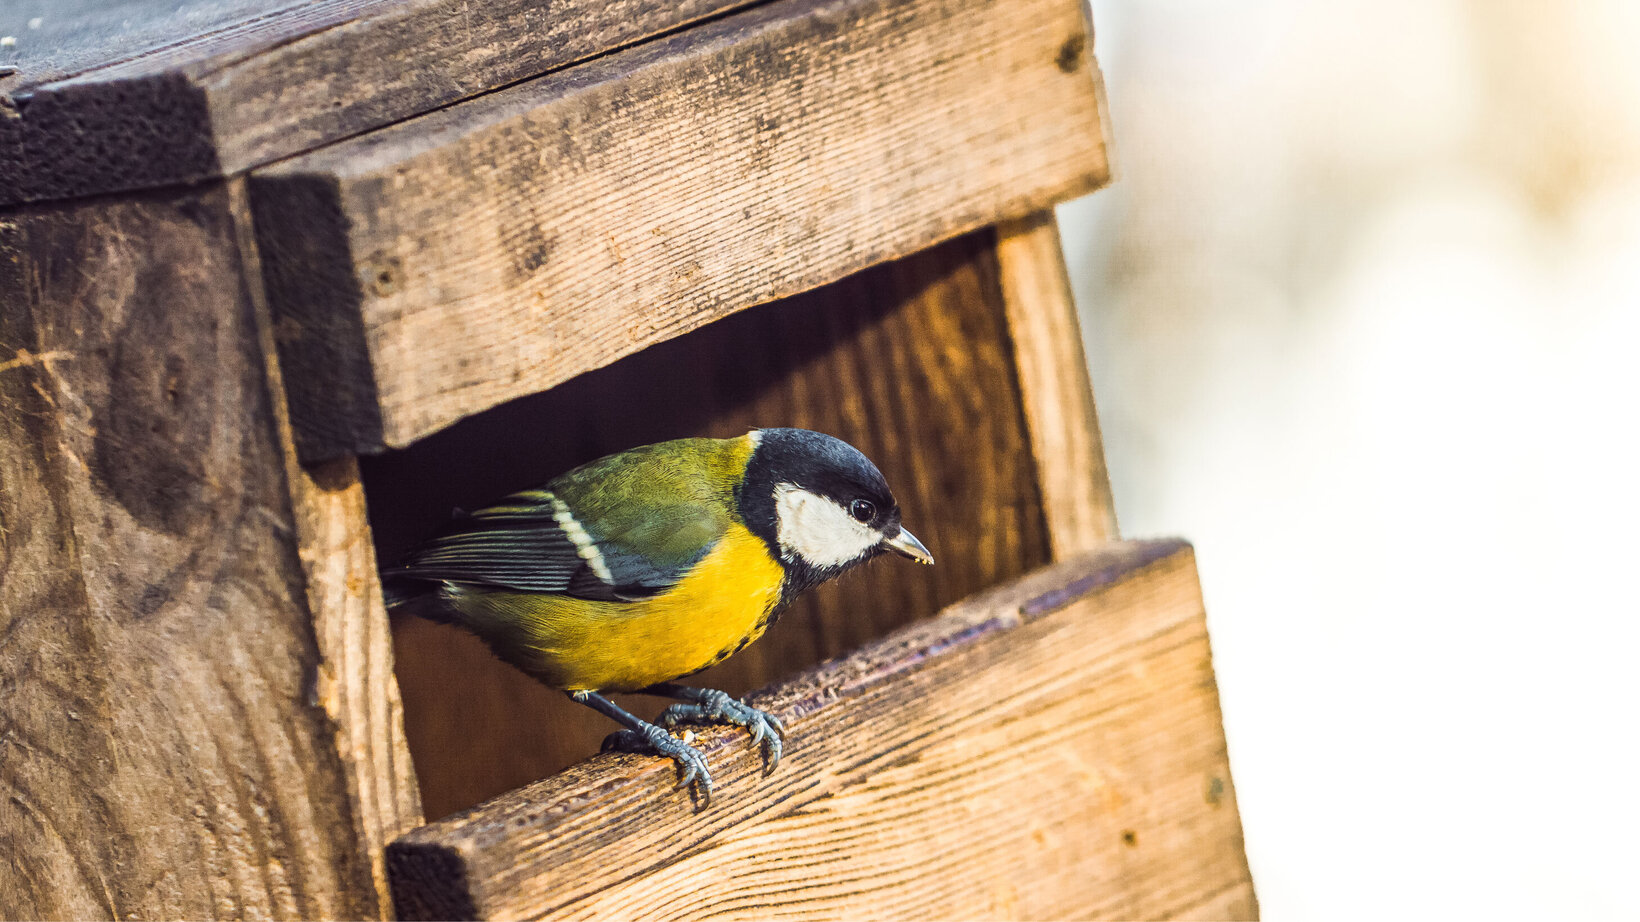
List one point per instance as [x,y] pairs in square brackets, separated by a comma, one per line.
[818,530]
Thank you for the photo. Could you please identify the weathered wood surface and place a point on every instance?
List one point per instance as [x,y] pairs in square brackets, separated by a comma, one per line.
[165,751]
[354,680]
[545,230]
[1053,380]
[1049,749]
[111,95]
[909,361]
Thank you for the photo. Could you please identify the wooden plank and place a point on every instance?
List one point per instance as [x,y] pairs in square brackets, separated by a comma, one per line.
[164,749]
[896,360]
[548,229]
[354,680]
[110,95]
[1053,377]
[1049,749]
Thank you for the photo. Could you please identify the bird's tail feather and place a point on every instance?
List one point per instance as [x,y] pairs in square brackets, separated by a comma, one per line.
[403,595]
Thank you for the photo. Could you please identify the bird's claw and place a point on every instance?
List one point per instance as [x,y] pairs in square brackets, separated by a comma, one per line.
[719,707]
[653,740]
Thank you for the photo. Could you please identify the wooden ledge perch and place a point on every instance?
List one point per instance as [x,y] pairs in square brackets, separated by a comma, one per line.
[1051,748]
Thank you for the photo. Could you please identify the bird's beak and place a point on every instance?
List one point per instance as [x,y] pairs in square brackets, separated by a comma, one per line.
[906,544]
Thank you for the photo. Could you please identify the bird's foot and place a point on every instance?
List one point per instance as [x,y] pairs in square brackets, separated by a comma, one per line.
[653,740]
[711,706]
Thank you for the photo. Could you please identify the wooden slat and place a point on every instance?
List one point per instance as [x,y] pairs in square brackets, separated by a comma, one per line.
[1053,378]
[112,95]
[159,753]
[1050,749]
[908,360]
[354,678]
[438,267]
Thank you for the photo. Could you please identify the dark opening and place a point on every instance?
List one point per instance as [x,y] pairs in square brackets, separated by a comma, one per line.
[909,361]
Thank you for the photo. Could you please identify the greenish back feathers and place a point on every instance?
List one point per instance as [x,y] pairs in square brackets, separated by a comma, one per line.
[626,526]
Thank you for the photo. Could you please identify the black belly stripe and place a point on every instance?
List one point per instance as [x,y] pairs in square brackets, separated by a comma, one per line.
[763,624]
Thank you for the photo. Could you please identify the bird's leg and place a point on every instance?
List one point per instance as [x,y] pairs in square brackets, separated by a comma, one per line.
[707,705]
[642,736]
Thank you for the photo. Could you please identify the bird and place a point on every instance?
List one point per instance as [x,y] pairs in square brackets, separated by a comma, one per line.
[649,565]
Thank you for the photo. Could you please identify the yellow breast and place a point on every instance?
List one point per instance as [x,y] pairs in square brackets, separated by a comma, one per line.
[723,604]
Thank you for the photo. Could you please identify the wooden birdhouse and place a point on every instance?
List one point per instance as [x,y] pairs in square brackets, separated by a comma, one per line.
[283,282]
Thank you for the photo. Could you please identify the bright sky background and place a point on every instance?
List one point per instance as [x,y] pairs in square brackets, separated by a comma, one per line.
[1363,313]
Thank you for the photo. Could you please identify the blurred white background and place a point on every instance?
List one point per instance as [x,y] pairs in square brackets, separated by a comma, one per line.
[1363,313]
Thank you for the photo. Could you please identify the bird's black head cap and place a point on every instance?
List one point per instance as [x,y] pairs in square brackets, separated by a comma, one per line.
[827,467]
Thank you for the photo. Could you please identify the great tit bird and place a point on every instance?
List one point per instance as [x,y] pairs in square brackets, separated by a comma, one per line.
[652,564]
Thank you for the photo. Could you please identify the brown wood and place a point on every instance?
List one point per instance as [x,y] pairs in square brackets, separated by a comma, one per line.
[1053,378]
[354,680]
[1049,749]
[111,95]
[165,748]
[909,361]
[550,228]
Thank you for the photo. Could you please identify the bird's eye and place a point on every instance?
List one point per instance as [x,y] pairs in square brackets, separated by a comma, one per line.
[862,511]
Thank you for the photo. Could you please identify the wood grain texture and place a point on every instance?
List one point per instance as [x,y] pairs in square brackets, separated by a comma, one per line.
[112,95]
[909,361]
[353,679]
[1053,380]
[1049,749]
[163,751]
[548,229]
